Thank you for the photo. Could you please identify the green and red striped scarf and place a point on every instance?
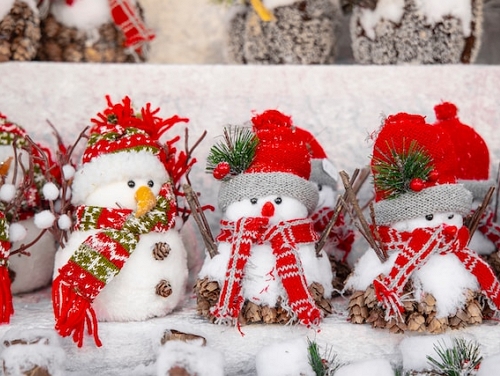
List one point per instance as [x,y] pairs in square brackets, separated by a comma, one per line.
[100,258]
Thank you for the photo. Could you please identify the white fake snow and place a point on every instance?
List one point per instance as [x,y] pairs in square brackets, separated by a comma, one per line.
[7,192]
[415,350]
[50,191]
[44,219]
[434,11]
[375,367]
[271,4]
[5,6]
[68,171]
[284,359]
[82,14]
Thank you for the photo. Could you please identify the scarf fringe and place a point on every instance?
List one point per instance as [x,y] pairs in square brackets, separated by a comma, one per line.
[72,313]
[6,307]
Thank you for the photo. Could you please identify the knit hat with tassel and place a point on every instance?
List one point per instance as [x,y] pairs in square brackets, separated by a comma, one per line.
[413,167]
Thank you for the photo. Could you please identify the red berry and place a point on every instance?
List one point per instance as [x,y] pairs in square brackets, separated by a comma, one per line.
[417,184]
[221,170]
[433,176]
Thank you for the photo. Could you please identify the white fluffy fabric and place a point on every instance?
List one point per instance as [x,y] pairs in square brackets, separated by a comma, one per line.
[375,367]
[82,14]
[284,359]
[115,168]
[196,359]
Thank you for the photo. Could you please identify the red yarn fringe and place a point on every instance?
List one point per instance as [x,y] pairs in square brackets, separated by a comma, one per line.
[6,307]
[72,313]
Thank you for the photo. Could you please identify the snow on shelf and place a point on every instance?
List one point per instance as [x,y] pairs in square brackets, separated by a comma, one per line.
[341,105]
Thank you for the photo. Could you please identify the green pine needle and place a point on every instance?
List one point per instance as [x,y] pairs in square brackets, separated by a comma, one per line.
[462,359]
[322,365]
[394,172]
[237,149]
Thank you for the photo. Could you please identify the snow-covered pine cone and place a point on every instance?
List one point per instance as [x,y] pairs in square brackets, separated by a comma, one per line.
[103,45]
[304,32]
[19,33]
[419,317]
[414,38]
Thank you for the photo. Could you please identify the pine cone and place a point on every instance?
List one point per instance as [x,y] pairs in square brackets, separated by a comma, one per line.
[317,291]
[19,33]
[161,251]
[207,295]
[164,288]
[341,271]
[175,335]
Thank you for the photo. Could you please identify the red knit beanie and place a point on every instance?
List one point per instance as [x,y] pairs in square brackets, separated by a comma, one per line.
[281,165]
[413,166]
[473,157]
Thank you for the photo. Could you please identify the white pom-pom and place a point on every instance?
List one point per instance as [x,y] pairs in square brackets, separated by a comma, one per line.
[7,192]
[64,222]
[17,232]
[50,191]
[68,171]
[44,219]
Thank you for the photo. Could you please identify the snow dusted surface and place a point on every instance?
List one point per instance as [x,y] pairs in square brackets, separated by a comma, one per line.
[341,105]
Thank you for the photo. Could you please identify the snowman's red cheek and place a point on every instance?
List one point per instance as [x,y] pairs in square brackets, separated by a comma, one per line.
[267,210]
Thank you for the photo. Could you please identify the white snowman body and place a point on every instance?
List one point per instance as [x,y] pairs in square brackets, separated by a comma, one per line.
[261,284]
[479,242]
[443,276]
[82,14]
[34,271]
[131,295]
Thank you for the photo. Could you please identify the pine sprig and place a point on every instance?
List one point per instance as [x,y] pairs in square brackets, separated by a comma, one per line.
[236,149]
[395,171]
[462,359]
[322,365]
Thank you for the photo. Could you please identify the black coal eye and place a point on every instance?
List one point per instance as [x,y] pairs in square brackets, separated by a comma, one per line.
[451,216]
[131,183]
[320,187]
[429,217]
[278,200]
[253,200]
[151,184]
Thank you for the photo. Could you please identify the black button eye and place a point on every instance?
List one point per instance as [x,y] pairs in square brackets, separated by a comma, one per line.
[253,200]
[429,217]
[131,183]
[151,184]
[320,187]
[278,200]
[451,216]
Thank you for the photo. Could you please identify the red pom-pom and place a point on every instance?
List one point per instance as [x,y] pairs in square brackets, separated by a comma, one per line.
[445,111]
[417,184]
[221,170]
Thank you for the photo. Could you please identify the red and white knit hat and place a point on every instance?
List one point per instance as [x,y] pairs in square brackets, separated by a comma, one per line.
[473,156]
[322,169]
[281,165]
[413,167]
[123,143]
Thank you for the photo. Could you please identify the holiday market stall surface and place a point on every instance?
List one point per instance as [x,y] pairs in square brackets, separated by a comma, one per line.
[341,105]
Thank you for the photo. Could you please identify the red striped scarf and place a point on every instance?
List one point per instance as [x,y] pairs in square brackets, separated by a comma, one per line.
[6,307]
[284,239]
[100,258]
[414,250]
[489,228]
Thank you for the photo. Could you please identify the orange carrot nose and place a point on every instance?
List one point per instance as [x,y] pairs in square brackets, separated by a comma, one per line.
[267,210]
[450,231]
[146,200]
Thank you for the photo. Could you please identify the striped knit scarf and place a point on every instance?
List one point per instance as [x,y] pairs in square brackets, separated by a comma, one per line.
[6,307]
[284,239]
[414,250]
[100,258]
[126,18]
[489,228]
[341,236]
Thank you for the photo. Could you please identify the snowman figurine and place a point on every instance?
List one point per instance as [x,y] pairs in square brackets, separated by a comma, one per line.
[31,269]
[341,237]
[473,171]
[267,267]
[125,259]
[423,277]
[99,31]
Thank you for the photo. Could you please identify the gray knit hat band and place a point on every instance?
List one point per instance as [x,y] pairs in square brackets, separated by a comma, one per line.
[260,184]
[478,188]
[438,199]
[320,176]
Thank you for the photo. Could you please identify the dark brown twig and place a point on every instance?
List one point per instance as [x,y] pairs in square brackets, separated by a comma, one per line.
[200,219]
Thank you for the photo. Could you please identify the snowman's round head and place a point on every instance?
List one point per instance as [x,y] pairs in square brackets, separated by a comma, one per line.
[327,196]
